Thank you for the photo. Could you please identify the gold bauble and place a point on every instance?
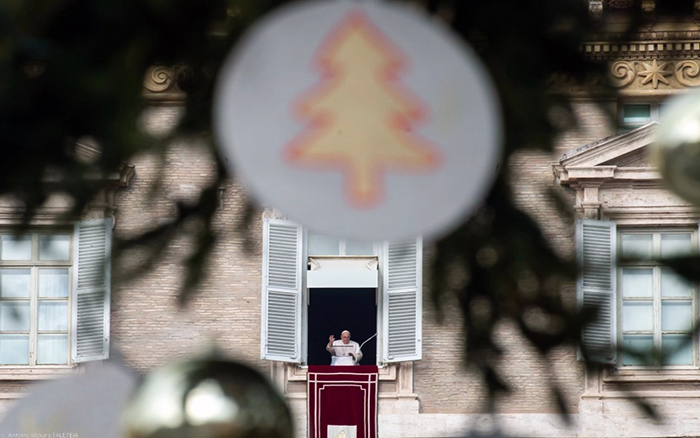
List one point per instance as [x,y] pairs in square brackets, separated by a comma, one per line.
[676,149]
[207,398]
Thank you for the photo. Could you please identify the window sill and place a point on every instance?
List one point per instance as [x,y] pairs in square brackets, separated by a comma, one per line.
[297,373]
[641,375]
[36,373]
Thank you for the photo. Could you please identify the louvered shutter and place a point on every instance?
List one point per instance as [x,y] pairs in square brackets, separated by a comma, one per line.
[402,301]
[282,286]
[597,287]
[91,290]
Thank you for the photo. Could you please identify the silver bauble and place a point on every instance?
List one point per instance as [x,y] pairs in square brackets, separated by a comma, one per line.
[207,398]
[676,149]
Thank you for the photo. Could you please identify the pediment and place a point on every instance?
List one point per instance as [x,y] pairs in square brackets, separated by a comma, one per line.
[611,149]
[637,158]
[620,157]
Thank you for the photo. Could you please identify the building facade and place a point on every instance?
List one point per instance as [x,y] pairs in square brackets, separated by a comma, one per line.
[267,289]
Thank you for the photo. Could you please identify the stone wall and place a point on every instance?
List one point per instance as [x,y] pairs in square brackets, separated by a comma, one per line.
[151,329]
[441,381]
[148,325]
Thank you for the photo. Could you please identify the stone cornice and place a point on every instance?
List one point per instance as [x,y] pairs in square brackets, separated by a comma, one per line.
[612,49]
[667,35]
[608,148]
[596,176]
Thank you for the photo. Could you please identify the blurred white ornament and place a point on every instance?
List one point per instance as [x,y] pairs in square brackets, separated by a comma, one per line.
[676,149]
[89,404]
[360,119]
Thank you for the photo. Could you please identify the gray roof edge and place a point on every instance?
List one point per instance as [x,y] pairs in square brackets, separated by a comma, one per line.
[595,144]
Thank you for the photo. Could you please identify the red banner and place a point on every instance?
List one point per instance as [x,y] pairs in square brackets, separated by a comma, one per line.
[343,396]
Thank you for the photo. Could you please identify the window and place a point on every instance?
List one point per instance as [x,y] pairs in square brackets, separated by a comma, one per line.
[54,295]
[657,306]
[634,115]
[34,293]
[286,295]
[327,245]
[641,304]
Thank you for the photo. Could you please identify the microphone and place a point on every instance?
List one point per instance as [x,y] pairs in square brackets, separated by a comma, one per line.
[368,339]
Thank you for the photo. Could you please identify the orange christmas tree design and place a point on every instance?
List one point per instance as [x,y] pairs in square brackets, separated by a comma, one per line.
[359,119]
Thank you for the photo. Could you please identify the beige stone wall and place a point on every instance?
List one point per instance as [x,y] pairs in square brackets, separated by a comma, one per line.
[593,121]
[147,324]
[151,330]
[441,382]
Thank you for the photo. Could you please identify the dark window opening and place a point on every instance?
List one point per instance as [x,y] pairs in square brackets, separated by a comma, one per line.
[333,310]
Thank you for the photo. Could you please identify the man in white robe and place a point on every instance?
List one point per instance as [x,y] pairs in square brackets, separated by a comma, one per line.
[344,351]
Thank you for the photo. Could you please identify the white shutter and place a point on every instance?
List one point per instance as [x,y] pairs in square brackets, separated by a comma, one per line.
[91,290]
[597,287]
[402,281]
[282,286]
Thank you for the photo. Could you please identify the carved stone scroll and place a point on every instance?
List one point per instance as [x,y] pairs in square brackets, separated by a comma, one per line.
[688,73]
[271,213]
[623,73]
[159,79]
[163,82]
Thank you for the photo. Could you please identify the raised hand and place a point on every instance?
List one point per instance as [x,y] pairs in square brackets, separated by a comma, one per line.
[331,338]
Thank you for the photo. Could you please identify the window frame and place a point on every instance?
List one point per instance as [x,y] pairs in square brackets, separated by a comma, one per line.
[377,248]
[342,246]
[285,253]
[656,299]
[654,113]
[35,265]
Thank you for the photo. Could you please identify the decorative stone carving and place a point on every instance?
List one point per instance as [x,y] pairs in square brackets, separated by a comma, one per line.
[271,213]
[595,8]
[623,73]
[674,74]
[654,73]
[163,83]
[637,77]
[687,73]
[653,45]
[159,79]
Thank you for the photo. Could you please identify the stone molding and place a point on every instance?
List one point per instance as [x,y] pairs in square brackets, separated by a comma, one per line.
[687,48]
[272,213]
[672,74]
[587,166]
[602,186]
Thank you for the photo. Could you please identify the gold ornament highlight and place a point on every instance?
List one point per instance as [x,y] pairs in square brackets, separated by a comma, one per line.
[207,398]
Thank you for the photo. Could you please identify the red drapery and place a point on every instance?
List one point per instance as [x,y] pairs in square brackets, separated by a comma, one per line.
[343,395]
